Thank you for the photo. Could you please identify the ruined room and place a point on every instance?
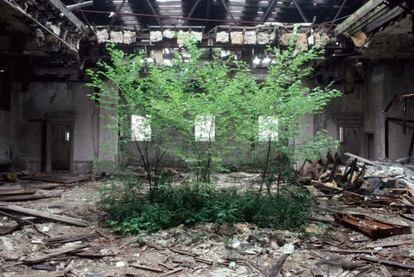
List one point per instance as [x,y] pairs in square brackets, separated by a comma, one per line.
[206,138]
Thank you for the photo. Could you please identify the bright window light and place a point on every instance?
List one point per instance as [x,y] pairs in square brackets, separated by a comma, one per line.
[204,128]
[268,128]
[67,136]
[140,128]
[341,134]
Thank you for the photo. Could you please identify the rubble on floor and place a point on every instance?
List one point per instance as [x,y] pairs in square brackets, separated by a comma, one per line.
[369,208]
[37,242]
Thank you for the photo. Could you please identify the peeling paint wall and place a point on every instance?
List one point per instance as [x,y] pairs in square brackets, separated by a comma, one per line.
[21,140]
[381,82]
[397,79]
[43,101]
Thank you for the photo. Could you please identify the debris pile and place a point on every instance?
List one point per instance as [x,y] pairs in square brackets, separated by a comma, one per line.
[347,236]
[24,191]
[363,182]
[369,206]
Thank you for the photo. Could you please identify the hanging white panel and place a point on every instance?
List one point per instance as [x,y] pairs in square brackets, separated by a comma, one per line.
[204,128]
[140,128]
[268,128]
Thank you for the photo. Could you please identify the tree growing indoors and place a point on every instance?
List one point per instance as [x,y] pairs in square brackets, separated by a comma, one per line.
[200,108]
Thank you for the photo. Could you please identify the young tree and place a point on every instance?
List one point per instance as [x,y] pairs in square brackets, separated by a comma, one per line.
[280,103]
[201,110]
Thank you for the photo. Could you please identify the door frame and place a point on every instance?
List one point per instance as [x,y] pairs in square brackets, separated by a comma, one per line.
[352,120]
[60,118]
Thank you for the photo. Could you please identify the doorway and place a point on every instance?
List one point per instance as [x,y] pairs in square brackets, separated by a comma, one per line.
[350,138]
[61,147]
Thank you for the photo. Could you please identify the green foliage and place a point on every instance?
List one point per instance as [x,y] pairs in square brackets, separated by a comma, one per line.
[134,212]
[172,97]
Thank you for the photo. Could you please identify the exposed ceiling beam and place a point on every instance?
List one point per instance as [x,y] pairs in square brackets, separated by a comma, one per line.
[370,8]
[80,5]
[227,9]
[208,12]
[269,10]
[21,18]
[302,14]
[154,12]
[339,11]
[69,15]
[190,13]
[113,19]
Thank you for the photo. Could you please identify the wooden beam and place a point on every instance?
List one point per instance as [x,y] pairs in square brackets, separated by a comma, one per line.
[113,19]
[339,11]
[302,14]
[80,5]
[223,2]
[53,253]
[69,15]
[208,9]
[16,11]
[208,12]
[154,12]
[190,13]
[357,16]
[269,10]
[43,215]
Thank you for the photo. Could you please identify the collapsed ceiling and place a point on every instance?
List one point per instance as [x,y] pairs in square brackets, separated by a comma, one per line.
[40,28]
[143,13]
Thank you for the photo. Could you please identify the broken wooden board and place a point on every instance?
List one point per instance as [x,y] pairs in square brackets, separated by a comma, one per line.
[28,197]
[64,179]
[92,255]
[15,191]
[54,253]
[44,274]
[70,238]
[371,227]
[30,187]
[352,198]
[174,271]
[360,159]
[387,262]
[182,252]
[326,187]
[41,214]
[149,268]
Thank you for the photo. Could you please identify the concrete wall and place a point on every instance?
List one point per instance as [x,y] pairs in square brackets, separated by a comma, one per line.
[45,100]
[382,81]
[388,80]
[21,135]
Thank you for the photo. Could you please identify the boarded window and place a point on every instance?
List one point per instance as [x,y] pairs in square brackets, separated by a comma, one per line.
[140,128]
[204,128]
[268,128]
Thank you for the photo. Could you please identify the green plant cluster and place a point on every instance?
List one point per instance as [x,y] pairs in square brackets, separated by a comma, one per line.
[172,97]
[131,211]
[199,82]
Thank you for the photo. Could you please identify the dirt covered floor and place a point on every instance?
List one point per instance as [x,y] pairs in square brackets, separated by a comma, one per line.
[326,248]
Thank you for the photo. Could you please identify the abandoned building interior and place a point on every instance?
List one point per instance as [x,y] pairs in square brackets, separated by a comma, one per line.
[57,151]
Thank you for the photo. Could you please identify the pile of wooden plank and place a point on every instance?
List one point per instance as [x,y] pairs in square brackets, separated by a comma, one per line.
[22,191]
[359,182]
[363,182]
